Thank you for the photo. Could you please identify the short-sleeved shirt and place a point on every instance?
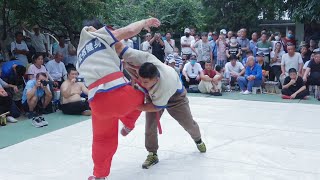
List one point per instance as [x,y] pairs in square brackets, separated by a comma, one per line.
[279,57]
[145,46]
[204,51]
[33,70]
[3,83]
[128,43]
[233,49]
[305,66]
[265,66]
[264,47]
[192,71]
[158,50]
[314,66]
[6,70]
[38,42]
[169,47]
[291,62]
[296,86]
[30,84]
[234,69]
[221,54]
[56,70]
[186,40]
[21,57]
[178,60]
[169,82]
[211,73]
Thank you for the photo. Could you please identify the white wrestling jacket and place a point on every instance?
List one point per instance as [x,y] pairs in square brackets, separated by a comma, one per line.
[98,62]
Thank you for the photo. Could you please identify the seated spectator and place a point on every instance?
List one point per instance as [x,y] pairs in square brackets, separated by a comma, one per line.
[276,56]
[252,77]
[56,69]
[312,73]
[12,70]
[185,60]
[305,53]
[210,81]
[19,49]
[37,67]
[36,97]
[293,86]
[265,67]
[244,60]
[172,63]
[233,70]
[175,56]
[191,72]
[71,90]
[6,102]
[305,66]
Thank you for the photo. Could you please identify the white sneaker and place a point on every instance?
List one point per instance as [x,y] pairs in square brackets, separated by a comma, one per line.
[11,119]
[43,121]
[241,92]
[246,92]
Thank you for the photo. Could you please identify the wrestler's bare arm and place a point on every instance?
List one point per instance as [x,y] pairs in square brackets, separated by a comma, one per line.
[135,28]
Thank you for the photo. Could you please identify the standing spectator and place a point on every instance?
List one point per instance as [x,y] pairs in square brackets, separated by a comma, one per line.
[157,47]
[289,39]
[62,48]
[72,57]
[277,38]
[191,72]
[233,70]
[290,60]
[19,49]
[127,42]
[253,43]
[243,42]
[252,77]
[265,47]
[6,102]
[293,87]
[222,47]
[203,50]
[305,54]
[57,69]
[276,57]
[229,36]
[38,41]
[36,97]
[169,45]
[145,46]
[193,32]
[210,81]
[233,48]
[186,43]
[212,36]
[71,90]
[37,67]
[212,40]
[312,45]
[312,73]
[197,37]
[177,59]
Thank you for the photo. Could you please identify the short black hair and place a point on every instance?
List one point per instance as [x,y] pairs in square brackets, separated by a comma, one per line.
[148,70]
[292,70]
[41,74]
[71,69]
[218,68]
[249,52]
[18,33]
[35,56]
[93,22]
[233,57]
[204,34]
[20,70]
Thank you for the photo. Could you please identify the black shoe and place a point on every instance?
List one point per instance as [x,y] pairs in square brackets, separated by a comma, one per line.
[216,93]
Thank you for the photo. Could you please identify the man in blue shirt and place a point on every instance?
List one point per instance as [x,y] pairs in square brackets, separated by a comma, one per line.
[252,77]
[36,96]
[11,70]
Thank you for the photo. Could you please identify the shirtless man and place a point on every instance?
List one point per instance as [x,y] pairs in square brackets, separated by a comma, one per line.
[71,90]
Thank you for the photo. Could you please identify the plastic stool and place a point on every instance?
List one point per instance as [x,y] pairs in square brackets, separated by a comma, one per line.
[255,90]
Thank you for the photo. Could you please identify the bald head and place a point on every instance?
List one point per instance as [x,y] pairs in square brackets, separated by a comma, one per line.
[250,61]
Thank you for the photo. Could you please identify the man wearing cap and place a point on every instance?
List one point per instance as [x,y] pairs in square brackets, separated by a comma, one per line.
[265,67]
[38,40]
[186,43]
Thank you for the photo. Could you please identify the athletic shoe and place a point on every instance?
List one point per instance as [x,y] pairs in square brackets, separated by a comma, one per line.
[37,122]
[3,121]
[151,160]
[11,119]
[285,97]
[241,92]
[43,121]
[246,92]
[125,131]
[201,147]
[94,178]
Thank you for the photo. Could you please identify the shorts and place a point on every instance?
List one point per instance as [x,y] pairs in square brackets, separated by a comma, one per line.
[38,107]
[75,108]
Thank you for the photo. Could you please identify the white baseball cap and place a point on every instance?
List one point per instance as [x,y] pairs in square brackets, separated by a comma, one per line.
[186,30]
[223,31]
[172,60]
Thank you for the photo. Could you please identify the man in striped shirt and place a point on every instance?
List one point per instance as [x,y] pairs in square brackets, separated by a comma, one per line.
[176,57]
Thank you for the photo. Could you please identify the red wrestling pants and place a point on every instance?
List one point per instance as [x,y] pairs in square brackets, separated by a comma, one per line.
[107,109]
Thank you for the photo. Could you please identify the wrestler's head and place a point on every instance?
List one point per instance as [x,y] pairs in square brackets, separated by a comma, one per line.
[148,75]
[94,23]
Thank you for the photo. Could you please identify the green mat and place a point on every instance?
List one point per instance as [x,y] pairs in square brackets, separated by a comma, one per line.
[14,133]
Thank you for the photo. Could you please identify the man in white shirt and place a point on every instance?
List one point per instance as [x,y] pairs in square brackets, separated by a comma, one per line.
[127,42]
[38,40]
[56,69]
[233,70]
[186,42]
[191,72]
[145,46]
[63,48]
[20,49]
[169,45]
[290,60]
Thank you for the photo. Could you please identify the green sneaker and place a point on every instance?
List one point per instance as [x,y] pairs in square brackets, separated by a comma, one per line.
[151,160]
[202,147]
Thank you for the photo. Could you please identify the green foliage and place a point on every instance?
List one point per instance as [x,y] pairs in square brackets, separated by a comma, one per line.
[305,11]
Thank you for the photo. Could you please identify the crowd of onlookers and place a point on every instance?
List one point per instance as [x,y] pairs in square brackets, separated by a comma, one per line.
[210,63]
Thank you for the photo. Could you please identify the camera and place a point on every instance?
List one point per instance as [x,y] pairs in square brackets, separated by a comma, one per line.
[79,79]
[44,82]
